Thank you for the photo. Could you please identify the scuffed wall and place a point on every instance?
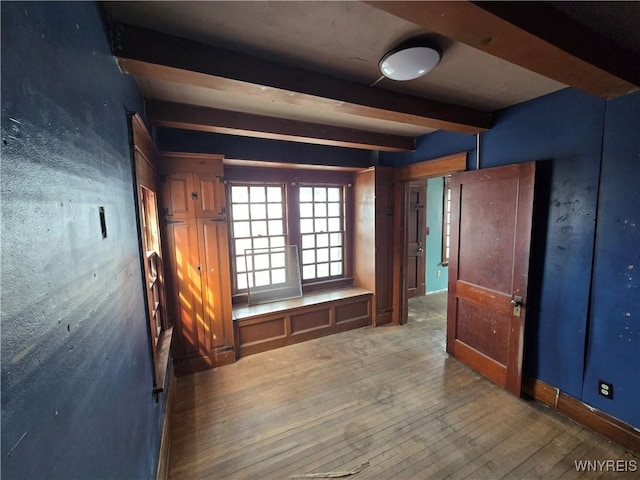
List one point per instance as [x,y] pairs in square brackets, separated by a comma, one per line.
[76,368]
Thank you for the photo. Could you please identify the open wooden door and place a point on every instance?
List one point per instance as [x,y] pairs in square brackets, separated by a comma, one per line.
[488,270]
[416,239]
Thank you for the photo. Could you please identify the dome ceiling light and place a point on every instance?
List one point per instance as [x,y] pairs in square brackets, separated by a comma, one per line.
[410,60]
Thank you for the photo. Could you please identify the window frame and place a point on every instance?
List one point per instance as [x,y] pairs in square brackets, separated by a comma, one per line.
[446,221]
[160,329]
[292,179]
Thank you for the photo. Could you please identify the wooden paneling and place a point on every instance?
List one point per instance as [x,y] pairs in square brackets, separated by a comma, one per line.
[213,257]
[374,237]
[195,227]
[177,191]
[352,311]
[432,168]
[185,292]
[303,322]
[364,190]
[269,326]
[210,190]
[261,330]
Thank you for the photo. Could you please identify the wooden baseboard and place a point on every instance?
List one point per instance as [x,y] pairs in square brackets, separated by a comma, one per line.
[162,473]
[217,358]
[615,430]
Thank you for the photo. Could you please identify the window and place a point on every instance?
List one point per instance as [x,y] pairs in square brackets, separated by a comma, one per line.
[160,330]
[446,221]
[257,223]
[270,208]
[321,231]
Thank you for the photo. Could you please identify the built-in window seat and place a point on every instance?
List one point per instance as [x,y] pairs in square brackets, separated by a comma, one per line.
[259,328]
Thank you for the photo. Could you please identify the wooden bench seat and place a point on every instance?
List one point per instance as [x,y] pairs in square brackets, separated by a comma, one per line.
[259,328]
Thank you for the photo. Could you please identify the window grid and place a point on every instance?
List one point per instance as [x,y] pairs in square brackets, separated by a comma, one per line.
[322,232]
[257,218]
[446,221]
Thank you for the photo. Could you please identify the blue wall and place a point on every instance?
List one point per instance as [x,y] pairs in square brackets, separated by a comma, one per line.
[248,148]
[433,257]
[613,346]
[575,333]
[76,367]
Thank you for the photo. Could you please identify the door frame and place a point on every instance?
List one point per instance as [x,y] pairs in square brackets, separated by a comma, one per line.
[437,167]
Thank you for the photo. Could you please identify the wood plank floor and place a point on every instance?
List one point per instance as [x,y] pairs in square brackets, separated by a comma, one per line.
[389,397]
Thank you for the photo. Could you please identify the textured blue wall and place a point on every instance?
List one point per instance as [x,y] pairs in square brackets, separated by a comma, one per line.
[76,367]
[572,339]
[433,258]
[613,347]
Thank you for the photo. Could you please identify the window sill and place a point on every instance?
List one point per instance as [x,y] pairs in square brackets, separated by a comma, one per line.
[315,298]
[161,365]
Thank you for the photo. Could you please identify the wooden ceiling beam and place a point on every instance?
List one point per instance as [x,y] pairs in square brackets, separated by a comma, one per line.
[533,35]
[191,117]
[147,53]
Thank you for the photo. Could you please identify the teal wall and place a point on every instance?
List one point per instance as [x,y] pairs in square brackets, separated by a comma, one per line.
[433,258]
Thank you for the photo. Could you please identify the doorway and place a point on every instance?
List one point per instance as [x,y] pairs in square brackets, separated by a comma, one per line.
[427,304]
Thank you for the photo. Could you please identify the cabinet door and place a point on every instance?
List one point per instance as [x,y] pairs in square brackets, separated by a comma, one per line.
[384,244]
[182,243]
[210,199]
[178,196]
[216,281]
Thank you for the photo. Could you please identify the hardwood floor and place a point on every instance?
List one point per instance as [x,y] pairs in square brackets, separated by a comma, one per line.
[388,400]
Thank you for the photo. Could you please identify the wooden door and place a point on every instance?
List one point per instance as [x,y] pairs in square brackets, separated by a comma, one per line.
[384,206]
[213,252]
[415,240]
[488,270]
[186,287]
[209,195]
[178,196]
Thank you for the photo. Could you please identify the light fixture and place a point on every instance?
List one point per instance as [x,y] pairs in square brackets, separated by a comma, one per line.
[409,60]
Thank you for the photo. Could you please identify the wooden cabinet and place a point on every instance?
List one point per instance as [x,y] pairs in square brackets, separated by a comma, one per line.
[373,238]
[193,209]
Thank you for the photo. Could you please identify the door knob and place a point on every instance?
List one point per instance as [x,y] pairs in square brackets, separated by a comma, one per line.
[516,301]
[419,252]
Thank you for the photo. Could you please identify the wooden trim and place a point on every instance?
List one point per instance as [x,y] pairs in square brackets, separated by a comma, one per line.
[162,472]
[592,418]
[532,35]
[170,162]
[437,167]
[151,54]
[232,162]
[206,119]
[144,160]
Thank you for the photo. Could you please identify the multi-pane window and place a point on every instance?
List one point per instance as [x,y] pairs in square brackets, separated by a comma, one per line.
[321,231]
[306,212]
[257,224]
[446,221]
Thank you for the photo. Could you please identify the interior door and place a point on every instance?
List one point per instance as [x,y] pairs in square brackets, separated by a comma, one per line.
[415,240]
[488,270]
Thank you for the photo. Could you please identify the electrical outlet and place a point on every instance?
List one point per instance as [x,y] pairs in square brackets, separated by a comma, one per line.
[438,273]
[605,389]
